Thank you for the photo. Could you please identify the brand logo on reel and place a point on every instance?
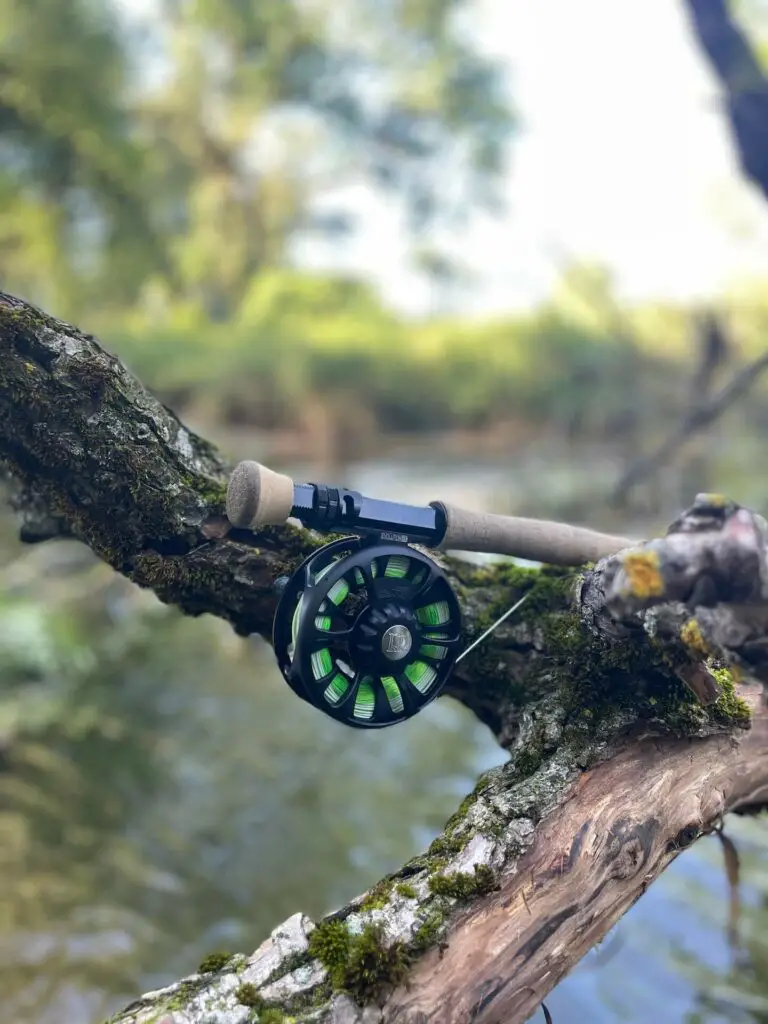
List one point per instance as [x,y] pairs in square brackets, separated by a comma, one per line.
[396,642]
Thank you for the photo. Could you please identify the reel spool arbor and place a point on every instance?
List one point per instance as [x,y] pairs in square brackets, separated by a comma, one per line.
[368,633]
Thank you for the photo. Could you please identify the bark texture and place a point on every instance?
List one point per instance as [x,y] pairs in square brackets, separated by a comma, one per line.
[616,690]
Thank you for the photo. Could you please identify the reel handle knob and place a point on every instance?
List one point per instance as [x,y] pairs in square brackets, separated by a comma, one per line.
[257,496]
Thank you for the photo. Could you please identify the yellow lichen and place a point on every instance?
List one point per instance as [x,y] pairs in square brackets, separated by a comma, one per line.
[644,577]
[715,500]
[691,636]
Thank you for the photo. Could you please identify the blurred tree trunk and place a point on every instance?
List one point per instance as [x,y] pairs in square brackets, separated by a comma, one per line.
[628,735]
[744,86]
[705,405]
[743,82]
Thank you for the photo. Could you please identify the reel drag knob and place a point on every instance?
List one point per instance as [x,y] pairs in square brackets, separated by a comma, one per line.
[367,633]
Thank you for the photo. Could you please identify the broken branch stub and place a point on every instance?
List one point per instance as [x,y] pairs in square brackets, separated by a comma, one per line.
[704,584]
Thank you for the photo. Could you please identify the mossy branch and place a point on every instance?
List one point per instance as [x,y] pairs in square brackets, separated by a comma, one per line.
[613,691]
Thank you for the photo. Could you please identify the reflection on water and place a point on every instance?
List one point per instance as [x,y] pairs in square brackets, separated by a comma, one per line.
[164,794]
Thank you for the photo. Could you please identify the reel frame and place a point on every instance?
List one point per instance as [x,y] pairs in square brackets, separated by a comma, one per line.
[379,662]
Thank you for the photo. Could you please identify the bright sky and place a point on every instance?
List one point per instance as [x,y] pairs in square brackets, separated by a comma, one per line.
[623,158]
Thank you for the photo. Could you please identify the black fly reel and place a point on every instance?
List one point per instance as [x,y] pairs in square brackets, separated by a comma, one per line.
[368,629]
[367,632]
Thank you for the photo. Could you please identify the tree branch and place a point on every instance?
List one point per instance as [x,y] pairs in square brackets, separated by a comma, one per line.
[615,765]
[744,84]
[707,406]
[101,459]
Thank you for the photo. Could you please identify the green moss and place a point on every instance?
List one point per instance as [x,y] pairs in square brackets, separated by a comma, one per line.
[729,707]
[635,675]
[374,967]
[286,966]
[457,818]
[430,931]
[362,965]
[176,575]
[329,943]
[528,759]
[378,897]
[248,995]
[293,542]
[450,842]
[463,886]
[446,845]
[546,589]
[406,890]
[214,962]
[598,678]
[212,492]
[272,1016]
[186,991]
[374,902]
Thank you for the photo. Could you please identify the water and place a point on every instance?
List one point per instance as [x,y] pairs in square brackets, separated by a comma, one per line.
[164,794]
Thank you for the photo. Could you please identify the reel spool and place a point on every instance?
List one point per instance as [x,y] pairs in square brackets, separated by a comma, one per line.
[367,632]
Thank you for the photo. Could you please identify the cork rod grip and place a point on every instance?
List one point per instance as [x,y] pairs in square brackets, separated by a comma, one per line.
[535,539]
[257,496]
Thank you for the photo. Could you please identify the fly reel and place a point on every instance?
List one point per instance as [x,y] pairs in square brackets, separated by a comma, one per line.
[367,632]
[368,629]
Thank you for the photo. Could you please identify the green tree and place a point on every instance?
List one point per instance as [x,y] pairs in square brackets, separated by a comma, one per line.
[70,172]
[170,165]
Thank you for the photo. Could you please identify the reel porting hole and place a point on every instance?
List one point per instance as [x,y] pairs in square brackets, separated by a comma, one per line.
[367,632]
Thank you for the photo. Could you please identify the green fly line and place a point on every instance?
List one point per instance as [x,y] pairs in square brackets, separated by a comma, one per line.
[422,671]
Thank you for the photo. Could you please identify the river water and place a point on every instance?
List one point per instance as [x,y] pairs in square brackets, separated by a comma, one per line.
[165,795]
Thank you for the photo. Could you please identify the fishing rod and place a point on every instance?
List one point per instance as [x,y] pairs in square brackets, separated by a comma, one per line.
[368,629]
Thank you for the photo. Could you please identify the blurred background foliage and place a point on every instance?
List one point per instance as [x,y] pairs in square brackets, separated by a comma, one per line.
[156,177]
[162,794]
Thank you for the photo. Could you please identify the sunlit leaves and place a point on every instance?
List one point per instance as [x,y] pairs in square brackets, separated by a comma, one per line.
[195,150]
